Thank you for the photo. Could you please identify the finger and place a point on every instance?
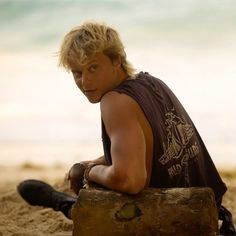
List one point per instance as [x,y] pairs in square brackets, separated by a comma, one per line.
[74,185]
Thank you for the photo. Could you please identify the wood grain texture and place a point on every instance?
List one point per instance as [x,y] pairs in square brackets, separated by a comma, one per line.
[176,211]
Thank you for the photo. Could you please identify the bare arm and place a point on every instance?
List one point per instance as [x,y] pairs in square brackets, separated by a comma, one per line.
[128,170]
[76,173]
[99,160]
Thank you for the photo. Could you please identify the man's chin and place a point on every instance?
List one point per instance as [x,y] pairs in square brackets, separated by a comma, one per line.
[94,101]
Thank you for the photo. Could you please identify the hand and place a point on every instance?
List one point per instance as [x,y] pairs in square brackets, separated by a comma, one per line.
[76,176]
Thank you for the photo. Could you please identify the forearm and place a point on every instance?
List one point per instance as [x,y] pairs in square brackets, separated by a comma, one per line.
[107,177]
[99,160]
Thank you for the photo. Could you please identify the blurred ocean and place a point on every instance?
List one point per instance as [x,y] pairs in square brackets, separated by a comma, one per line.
[189,44]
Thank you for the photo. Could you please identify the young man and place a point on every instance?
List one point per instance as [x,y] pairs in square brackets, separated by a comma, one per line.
[148,138]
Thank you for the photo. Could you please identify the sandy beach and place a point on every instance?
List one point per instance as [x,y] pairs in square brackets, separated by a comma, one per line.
[19,219]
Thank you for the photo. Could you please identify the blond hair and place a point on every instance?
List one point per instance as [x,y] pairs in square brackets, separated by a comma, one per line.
[84,41]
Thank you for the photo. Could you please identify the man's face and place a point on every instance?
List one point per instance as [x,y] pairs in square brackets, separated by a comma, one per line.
[98,76]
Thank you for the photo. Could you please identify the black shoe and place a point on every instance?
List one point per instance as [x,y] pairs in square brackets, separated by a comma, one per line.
[39,193]
[227,227]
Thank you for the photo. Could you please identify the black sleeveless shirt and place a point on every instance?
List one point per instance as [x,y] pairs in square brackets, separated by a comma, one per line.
[180,158]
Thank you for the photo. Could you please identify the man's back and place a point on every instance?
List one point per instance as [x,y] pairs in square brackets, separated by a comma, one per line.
[180,158]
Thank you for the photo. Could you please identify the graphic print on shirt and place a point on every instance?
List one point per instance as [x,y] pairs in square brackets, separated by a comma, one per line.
[178,151]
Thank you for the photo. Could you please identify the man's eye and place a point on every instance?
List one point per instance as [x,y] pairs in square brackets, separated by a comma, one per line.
[77,75]
[93,68]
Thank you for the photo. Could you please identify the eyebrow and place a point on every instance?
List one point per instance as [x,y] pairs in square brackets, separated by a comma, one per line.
[89,63]
[92,61]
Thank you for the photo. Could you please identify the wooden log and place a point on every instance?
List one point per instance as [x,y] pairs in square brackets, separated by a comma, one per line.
[176,211]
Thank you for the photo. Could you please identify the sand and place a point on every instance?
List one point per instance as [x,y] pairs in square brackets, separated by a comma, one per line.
[19,219]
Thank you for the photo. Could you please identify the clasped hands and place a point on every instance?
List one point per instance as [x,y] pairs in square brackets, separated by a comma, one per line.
[78,175]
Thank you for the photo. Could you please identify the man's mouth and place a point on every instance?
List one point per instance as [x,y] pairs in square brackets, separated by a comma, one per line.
[89,91]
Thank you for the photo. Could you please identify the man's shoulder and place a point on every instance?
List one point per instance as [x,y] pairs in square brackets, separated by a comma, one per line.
[114,102]
[138,82]
[116,99]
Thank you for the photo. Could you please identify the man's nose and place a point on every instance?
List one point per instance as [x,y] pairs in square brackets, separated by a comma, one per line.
[86,80]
